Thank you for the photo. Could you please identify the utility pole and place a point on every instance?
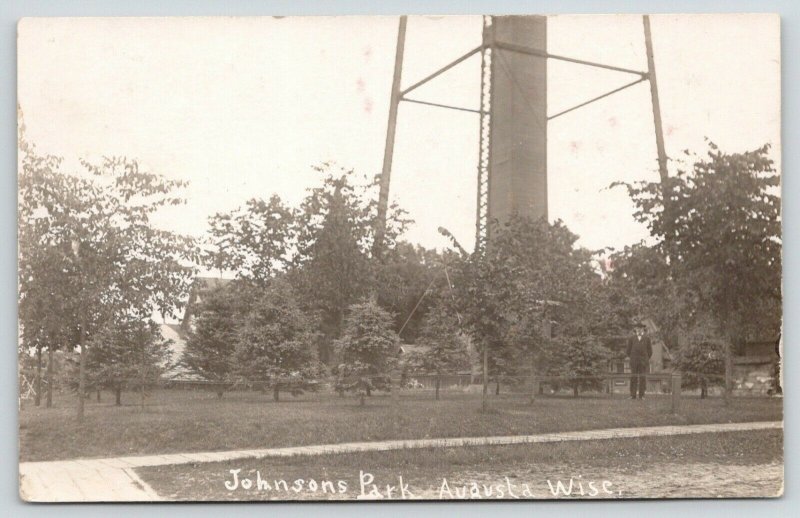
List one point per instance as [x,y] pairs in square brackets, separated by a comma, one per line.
[386,172]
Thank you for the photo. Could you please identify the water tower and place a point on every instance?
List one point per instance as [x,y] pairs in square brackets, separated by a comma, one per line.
[513,118]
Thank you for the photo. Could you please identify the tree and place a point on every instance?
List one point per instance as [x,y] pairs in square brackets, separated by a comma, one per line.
[127,353]
[722,241]
[335,230]
[405,278]
[446,348]
[640,284]
[275,341]
[47,277]
[120,262]
[254,241]
[99,220]
[581,361]
[367,349]
[484,290]
[702,364]
[211,341]
[530,275]
[46,309]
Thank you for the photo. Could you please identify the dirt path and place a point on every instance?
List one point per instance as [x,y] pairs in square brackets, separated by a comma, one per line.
[113,479]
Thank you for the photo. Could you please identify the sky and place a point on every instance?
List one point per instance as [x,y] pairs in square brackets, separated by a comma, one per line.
[243,107]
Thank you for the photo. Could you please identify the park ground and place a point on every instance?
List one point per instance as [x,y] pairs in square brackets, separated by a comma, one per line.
[175,421]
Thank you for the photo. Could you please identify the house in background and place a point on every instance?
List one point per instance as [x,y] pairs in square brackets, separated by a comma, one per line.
[177,333]
[199,286]
[755,370]
[174,333]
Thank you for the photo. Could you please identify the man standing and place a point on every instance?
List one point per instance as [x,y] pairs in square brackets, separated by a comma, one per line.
[639,352]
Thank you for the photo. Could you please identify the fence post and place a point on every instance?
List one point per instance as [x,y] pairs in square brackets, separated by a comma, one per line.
[676,392]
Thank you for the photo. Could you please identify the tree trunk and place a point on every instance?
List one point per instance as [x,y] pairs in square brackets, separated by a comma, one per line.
[532,381]
[82,369]
[728,370]
[396,414]
[369,391]
[276,391]
[50,381]
[142,345]
[118,395]
[98,395]
[438,381]
[485,376]
[361,398]
[497,386]
[575,390]
[37,397]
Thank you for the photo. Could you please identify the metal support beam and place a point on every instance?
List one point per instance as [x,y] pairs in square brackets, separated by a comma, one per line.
[484,139]
[442,70]
[651,73]
[539,53]
[594,99]
[386,172]
[437,105]
[489,50]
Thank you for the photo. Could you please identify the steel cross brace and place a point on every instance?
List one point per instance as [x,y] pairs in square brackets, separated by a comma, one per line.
[643,76]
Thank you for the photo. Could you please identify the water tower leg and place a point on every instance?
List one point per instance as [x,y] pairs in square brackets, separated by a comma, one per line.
[386,172]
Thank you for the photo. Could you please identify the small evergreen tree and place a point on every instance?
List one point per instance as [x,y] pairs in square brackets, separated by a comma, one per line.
[127,353]
[581,360]
[446,348]
[275,342]
[367,349]
[211,342]
[702,364]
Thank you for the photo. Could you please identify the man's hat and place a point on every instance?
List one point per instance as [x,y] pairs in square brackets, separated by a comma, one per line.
[639,325]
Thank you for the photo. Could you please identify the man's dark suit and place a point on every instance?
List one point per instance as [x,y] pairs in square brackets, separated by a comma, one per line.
[639,351]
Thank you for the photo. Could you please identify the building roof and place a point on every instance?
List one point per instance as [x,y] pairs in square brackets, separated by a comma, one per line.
[174,333]
[413,349]
[199,285]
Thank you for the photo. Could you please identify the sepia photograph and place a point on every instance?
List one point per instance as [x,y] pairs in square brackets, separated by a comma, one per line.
[387,258]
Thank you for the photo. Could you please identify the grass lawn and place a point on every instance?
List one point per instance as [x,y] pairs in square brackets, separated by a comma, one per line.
[176,420]
[704,465]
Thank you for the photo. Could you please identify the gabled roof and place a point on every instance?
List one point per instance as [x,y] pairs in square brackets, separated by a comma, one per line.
[176,328]
[177,338]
